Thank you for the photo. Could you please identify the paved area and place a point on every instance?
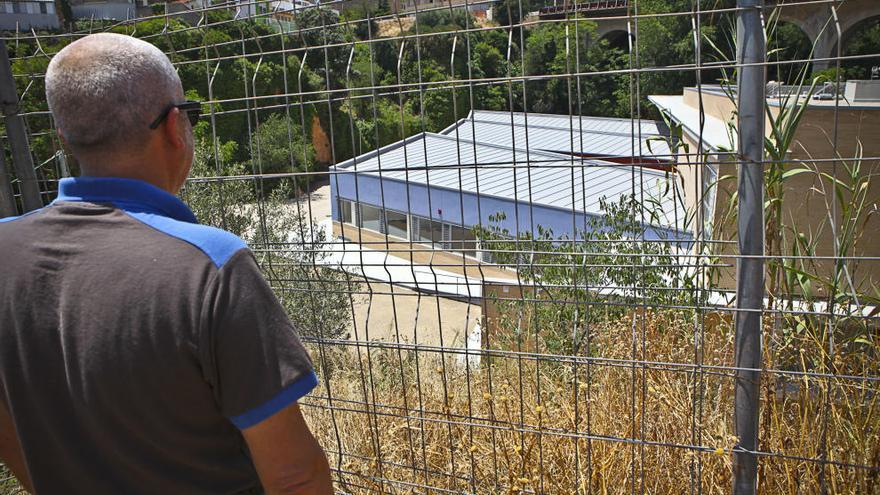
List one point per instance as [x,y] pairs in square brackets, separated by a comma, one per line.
[319,200]
[396,314]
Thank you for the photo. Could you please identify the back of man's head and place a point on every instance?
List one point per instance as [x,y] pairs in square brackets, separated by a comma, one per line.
[105,89]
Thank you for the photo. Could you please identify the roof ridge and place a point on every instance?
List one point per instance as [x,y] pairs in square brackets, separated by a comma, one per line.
[596,117]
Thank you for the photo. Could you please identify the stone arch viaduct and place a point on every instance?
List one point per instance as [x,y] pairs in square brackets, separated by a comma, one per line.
[814,19]
[818,24]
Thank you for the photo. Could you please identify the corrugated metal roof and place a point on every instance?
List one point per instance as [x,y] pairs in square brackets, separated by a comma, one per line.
[536,177]
[564,134]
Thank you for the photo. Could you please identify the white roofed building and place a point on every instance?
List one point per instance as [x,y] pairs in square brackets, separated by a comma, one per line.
[482,171]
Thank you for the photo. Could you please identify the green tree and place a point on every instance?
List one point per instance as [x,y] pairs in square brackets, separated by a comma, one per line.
[609,257]
[787,43]
[592,94]
[279,146]
[511,12]
[864,40]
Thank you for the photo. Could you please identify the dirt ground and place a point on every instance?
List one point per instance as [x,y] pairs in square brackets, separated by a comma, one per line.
[390,27]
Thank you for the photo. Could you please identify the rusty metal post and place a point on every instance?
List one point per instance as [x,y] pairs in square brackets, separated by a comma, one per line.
[16,133]
[7,201]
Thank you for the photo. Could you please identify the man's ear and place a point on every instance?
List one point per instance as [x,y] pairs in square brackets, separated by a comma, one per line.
[171,128]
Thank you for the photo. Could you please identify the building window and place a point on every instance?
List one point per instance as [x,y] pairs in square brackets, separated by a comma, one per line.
[345,212]
[17,8]
[371,218]
[427,231]
[375,219]
[43,8]
[441,235]
[462,240]
[397,224]
[445,236]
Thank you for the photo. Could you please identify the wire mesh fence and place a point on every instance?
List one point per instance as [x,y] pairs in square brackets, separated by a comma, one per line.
[531,247]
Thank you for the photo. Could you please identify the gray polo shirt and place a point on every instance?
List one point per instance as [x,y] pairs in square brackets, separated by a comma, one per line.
[136,343]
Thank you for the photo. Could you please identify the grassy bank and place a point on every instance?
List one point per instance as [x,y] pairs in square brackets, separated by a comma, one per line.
[600,425]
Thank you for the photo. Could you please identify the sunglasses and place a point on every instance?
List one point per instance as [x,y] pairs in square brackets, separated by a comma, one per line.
[192,109]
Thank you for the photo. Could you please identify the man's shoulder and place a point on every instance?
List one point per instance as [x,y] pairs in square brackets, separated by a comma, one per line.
[218,244]
[10,220]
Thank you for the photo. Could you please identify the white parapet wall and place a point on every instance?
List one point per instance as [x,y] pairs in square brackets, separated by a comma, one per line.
[862,91]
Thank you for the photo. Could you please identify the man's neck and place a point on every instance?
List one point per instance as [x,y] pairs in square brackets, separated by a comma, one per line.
[136,171]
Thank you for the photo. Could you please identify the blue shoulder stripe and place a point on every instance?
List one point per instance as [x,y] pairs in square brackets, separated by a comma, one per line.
[217,244]
[288,395]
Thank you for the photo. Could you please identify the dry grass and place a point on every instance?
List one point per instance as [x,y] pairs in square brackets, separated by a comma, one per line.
[607,427]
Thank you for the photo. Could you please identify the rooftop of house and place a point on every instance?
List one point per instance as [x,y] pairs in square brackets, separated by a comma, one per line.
[490,169]
[611,139]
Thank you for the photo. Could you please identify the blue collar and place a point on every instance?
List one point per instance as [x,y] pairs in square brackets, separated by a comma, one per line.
[127,194]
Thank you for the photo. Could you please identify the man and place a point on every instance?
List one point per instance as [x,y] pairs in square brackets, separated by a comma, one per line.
[141,352]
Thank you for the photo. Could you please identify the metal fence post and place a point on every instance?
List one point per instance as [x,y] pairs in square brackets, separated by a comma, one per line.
[16,133]
[751,53]
[7,201]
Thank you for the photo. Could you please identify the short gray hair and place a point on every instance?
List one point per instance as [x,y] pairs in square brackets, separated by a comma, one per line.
[105,89]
